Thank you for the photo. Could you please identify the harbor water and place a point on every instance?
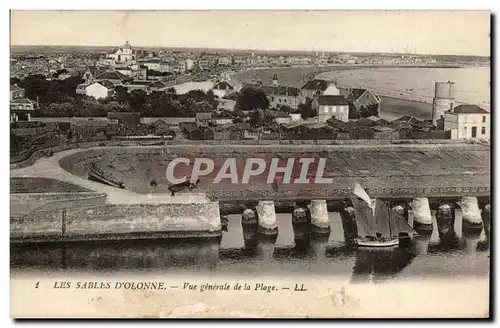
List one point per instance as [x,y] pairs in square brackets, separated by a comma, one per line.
[449,252]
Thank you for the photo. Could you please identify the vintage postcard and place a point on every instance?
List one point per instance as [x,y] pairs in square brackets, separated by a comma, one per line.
[250,164]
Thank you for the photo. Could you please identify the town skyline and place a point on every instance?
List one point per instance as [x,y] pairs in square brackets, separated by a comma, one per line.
[464,33]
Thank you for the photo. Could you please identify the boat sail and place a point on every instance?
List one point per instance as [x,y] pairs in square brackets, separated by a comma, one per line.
[377,224]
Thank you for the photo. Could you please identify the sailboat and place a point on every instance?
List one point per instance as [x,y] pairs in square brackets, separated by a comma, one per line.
[377,224]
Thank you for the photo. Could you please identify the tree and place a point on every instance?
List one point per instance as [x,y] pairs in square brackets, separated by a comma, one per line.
[36,86]
[121,94]
[369,110]
[353,112]
[14,80]
[137,100]
[306,110]
[251,98]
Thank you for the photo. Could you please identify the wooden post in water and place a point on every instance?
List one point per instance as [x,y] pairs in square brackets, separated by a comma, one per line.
[249,217]
[445,219]
[300,216]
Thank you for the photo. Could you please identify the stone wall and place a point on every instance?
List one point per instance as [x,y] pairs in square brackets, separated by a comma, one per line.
[24,203]
[111,222]
[29,157]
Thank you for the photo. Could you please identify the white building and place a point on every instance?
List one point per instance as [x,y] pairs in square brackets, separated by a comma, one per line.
[99,89]
[331,107]
[123,55]
[222,89]
[467,122]
[19,105]
[189,64]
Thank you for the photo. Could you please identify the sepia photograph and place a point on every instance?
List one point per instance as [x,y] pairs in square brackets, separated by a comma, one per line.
[250,164]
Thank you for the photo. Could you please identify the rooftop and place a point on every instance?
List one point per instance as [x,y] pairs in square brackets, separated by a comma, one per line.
[21,101]
[469,109]
[112,75]
[321,85]
[107,84]
[332,100]
[355,94]
[223,86]
[15,88]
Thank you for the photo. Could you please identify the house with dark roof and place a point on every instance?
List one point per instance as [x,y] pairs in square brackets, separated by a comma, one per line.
[280,95]
[467,122]
[362,97]
[319,87]
[331,107]
[113,76]
[222,89]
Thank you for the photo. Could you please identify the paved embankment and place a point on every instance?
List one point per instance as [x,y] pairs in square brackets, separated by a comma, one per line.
[117,222]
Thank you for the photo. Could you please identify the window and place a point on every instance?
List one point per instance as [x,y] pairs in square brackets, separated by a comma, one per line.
[334,109]
[483,129]
[465,119]
[484,120]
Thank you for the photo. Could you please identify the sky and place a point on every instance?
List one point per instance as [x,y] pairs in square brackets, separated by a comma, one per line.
[424,32]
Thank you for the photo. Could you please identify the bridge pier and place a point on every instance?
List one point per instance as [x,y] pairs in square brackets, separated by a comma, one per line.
[267,218]
[422,218]
[318,245]
[301,227]
[319,216]
[421,244]
[471,215]
[445,218]
[300,216]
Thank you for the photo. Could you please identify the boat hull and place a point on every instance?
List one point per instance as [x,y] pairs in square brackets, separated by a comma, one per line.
[377,244]
[97,178]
